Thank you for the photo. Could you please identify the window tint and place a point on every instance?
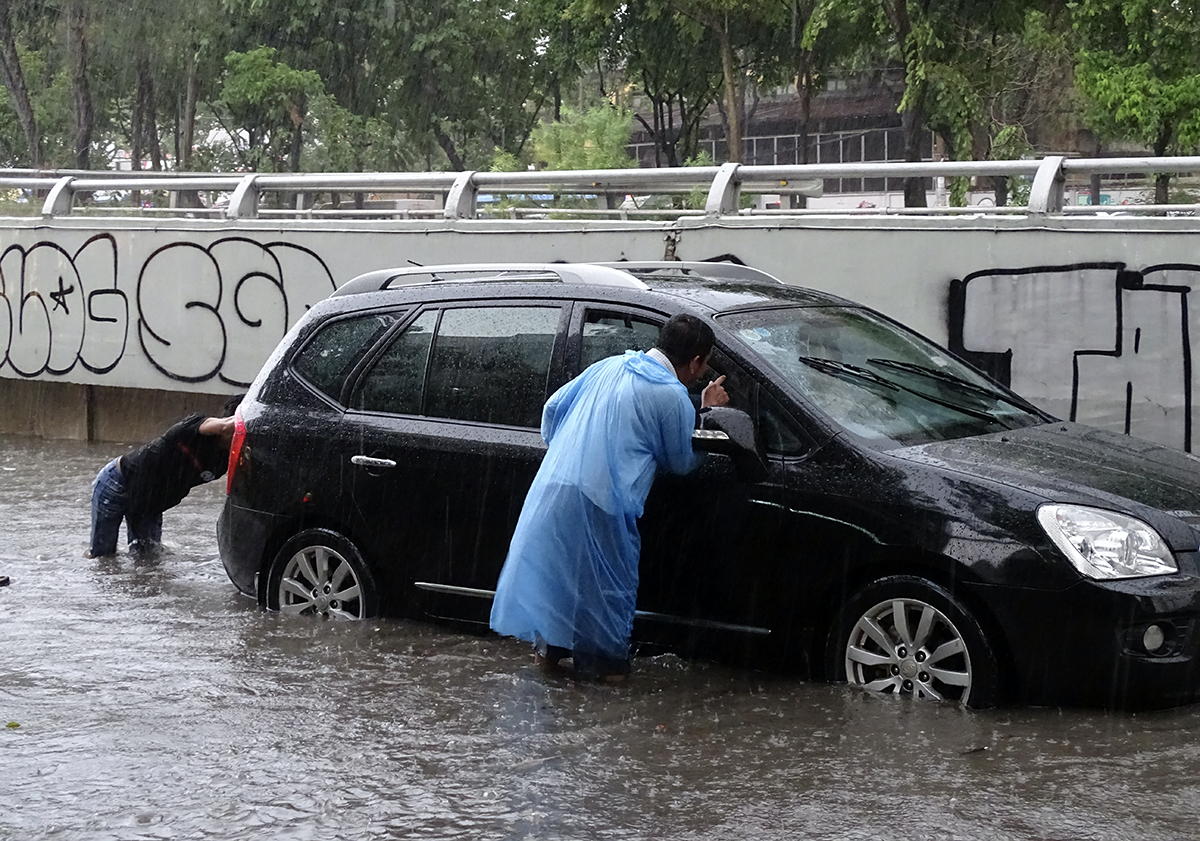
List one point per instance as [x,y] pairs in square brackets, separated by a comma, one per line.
[336,347]
[490,364]
[394,382]
[612,333]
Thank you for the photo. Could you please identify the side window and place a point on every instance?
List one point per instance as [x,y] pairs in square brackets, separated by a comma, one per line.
[490,364]
[612,333]
[337,346]
[394,382]
[737,384]
[779,434]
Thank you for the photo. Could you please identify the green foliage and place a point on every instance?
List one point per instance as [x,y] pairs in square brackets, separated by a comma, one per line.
[504,161]
[1139,69]
[594,139]
[270,101]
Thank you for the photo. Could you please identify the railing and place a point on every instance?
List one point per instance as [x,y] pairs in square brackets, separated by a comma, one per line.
[714,192]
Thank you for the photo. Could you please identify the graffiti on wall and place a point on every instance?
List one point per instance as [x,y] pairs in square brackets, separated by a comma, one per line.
[194,313]
[1100,343]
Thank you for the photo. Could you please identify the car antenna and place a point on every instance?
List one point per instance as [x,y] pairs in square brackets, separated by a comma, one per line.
[432,276]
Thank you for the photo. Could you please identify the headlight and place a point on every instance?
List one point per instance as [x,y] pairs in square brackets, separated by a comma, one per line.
[1105,544]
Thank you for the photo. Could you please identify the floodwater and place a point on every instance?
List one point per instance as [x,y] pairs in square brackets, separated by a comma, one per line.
[147,700]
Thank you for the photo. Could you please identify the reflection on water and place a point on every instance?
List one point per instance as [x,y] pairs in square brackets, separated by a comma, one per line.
[154,702]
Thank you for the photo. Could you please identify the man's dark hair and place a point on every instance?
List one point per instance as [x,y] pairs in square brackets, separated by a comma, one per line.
[684,337]
[231,405]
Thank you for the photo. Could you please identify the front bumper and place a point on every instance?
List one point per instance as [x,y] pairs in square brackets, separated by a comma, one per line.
[1084,645]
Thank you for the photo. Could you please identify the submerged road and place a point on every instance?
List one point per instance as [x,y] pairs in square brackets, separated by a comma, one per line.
[148,700]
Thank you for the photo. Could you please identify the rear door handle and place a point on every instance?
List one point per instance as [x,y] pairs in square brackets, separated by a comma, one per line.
[367,461]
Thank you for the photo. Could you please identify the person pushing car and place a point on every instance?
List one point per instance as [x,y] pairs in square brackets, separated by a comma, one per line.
[569,583]
[139,486]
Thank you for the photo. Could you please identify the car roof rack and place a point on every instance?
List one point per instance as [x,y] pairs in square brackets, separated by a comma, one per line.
[717,269]
[593,273]
[622,274]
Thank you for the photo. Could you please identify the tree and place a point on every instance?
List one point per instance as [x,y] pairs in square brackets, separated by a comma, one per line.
[75,15]
[1139,69]
[269,100]
[14,83]
[944,50]
[593,139]
[674,63]
[463,75]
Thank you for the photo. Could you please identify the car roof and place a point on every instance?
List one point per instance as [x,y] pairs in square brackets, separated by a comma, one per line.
[715,286]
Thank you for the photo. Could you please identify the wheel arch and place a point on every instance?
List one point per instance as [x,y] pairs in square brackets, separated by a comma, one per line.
[946,572]
[291,526]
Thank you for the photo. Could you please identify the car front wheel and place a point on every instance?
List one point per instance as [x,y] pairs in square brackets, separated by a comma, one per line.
[321,573]
[903,635]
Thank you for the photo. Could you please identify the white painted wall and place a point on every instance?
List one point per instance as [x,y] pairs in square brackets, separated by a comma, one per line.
[1094,311]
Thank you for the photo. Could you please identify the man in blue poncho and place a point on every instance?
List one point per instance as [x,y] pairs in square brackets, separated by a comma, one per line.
[569,584]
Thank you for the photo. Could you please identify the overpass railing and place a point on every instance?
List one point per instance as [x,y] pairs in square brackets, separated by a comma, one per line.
[713,192]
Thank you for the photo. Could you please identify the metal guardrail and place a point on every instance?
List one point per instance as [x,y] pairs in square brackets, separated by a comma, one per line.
[465,195]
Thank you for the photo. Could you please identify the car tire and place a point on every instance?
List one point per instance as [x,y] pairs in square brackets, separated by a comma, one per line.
[904,635]
[319,572]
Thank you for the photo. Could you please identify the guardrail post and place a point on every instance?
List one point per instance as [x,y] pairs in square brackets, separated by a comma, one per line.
[243,204]
[1046,194]
[60,199]
[725,192]
[460,203]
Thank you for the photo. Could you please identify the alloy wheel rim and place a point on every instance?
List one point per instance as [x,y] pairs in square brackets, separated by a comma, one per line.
[909,647]
[318,581]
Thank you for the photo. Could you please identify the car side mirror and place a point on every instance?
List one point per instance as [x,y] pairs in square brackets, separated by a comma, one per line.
[731,432]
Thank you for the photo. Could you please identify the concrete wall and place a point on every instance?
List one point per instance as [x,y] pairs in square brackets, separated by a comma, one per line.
[1088,317]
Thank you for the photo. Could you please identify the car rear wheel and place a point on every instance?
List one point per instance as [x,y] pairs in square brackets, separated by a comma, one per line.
[320,573]
[903,635]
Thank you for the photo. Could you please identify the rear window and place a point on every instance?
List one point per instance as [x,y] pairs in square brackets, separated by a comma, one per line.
[336,347]
[488,364]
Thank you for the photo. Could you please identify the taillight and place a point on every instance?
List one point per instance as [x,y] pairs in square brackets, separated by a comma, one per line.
[235,448]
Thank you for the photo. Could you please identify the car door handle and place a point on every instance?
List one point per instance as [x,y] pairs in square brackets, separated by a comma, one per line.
[367,461]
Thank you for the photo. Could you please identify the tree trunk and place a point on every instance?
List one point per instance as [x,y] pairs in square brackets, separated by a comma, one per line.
[733,111]
[1162,181]
[447,143]
[912,119]
[149,107]
[1000,187]
[912,122]
[297,145]
[804,85]
[188,142]
[85,116]
[14,82]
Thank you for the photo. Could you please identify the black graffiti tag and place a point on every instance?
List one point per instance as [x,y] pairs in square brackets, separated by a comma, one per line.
[60,297]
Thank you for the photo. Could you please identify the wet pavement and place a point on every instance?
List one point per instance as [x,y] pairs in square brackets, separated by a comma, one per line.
[147,700]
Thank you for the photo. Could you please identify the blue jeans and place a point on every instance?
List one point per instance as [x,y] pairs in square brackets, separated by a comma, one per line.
[109,507]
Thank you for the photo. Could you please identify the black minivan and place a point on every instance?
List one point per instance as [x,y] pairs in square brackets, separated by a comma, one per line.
[872,509]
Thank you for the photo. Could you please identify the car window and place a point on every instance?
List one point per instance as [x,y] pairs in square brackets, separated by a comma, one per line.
[607,333]
[491,364]
[394,382]
[779,433]
[336,347]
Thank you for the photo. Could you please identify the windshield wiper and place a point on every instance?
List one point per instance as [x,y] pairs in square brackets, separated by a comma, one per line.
[854,373]
[847,371]
[953,380]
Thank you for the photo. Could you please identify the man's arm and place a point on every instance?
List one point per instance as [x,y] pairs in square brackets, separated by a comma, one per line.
[222,427]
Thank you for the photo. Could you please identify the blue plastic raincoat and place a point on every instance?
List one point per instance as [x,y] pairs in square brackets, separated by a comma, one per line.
[571,574]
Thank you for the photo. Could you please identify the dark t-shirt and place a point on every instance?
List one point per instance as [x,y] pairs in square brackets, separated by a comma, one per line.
[159,474]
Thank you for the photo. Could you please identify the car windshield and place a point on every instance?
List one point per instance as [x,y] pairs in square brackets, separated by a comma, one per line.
[876,379]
